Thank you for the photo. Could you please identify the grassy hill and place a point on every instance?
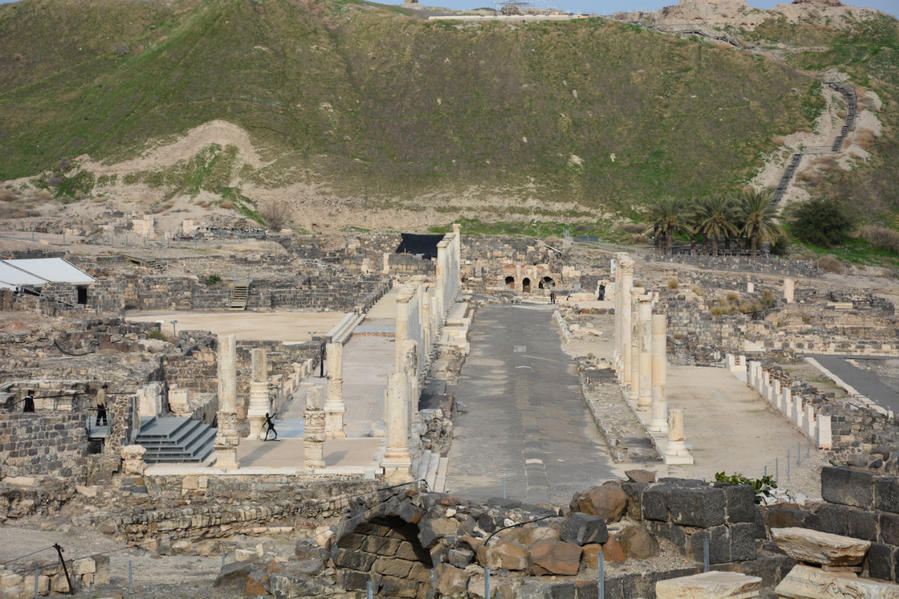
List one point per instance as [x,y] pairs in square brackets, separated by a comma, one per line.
[373,100]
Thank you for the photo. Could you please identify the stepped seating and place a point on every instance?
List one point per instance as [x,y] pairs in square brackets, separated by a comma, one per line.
[240,294]
[174,440]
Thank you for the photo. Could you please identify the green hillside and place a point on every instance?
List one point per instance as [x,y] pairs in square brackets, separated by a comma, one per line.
[869,53]
[374,100]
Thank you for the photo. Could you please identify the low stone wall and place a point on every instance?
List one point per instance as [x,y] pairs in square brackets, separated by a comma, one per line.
[689,512]
[858,503]
[43,443]
[213,506]
[761,264]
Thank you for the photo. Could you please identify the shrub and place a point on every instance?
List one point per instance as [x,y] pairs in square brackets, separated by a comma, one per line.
[699,291]
[275,213]
[672,283]
[633,228]
[211,280]
[762,486]
[156,334]
[830,263]
[881,237]
[822,222]
[733,296]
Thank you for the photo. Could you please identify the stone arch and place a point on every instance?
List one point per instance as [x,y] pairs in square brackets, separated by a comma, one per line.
[547,283]
[510,282]
[526,285]
[387,551]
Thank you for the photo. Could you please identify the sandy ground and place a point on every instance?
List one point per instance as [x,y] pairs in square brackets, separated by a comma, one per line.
[729,427]
[289,453]
[154,575]
[289,327]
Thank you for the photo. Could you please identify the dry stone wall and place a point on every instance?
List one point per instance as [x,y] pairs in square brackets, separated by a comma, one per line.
[43,443]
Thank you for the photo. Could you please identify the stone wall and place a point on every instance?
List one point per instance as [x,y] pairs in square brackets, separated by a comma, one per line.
[159,292]
[43,443]
[761,264]
[858,503]
[689,512]
[203,506]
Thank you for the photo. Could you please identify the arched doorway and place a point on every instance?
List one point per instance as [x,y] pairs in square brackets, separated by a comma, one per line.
[510,282]
[393,544]
[547,283]
[526,285]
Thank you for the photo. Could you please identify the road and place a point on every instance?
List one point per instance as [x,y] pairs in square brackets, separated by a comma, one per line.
[864,382]
[525,430]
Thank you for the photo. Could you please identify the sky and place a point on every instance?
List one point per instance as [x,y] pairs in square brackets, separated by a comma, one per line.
[604,7]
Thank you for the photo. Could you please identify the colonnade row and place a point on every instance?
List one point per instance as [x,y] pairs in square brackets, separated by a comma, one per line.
[814,425]
[422,306]
[641,362]
[421,310]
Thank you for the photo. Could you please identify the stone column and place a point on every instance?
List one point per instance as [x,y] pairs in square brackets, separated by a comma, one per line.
[334,406]
[518,286]
[750,286]
[314,429]
[659,422]
[809,420]
[401,329]
[227,437]
[385,267]
[644,324]
[789,289]
[676,452]
[397,460]
[632,358]
[457,250]
[260,403]
[440,277]
[798,410]
[626,272]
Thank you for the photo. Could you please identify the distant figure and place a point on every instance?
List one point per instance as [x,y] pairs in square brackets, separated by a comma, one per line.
[101,405]
[602,292]
[322,352]
[29,401]
[270,427]
[552,297]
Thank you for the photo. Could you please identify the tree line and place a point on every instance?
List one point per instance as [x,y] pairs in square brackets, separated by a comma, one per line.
[748,221]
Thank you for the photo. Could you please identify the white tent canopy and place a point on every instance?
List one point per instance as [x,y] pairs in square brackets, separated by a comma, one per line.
[36,272]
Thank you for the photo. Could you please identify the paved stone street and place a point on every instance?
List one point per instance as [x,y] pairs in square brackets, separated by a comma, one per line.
[525,421]
[864,382]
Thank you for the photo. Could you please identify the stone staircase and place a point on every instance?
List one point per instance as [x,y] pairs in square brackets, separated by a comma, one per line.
[176,440]
[240,293]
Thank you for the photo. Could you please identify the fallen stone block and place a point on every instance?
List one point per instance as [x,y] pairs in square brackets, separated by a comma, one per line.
[451,581]
[607,501]
[582,529]
[710,585]
[554,557]
[234,573]
[506,556]
[812,546]
[637,542]
[806,582]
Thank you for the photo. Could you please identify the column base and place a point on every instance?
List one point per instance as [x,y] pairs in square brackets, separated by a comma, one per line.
[257,426]
[226,458]
[396,468]
[334,422]
[677,453]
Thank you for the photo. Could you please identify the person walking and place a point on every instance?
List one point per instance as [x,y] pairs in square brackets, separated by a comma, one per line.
[29,401]
[270,427]
[101,405]
[552,297]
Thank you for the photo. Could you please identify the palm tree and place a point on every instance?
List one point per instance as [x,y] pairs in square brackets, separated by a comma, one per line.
[714,219]
[667,217]
[759,215]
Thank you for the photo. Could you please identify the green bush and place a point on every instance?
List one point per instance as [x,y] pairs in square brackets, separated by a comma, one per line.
[821,221]
[156,334]
[211,280]
[762,486]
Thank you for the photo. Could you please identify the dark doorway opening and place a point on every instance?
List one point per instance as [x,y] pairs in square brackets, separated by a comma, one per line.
[82,296]
[510,282]
[526,285]
[547,283]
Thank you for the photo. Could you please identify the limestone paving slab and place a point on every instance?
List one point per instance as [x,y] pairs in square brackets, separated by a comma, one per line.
[710,585]
[812,546]
[806,582]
